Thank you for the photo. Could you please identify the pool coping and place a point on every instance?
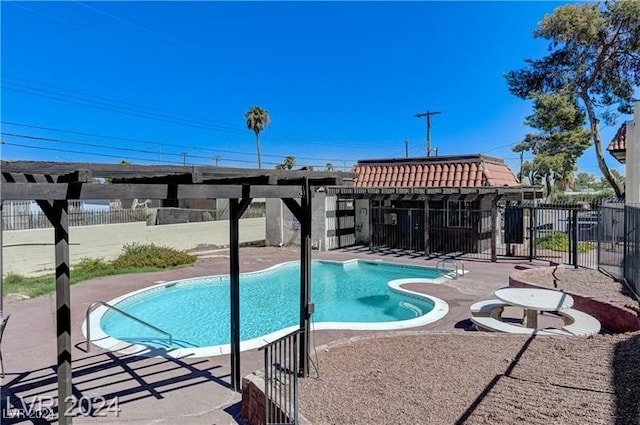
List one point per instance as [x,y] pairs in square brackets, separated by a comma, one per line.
[105,342]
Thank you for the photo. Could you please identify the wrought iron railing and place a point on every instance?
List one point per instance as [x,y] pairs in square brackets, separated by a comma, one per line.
[281,379]
[124,313]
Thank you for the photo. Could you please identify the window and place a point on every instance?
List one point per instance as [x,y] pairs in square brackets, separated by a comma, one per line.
[459,214]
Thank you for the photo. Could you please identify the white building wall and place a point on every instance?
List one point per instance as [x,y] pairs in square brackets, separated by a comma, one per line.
[632,174]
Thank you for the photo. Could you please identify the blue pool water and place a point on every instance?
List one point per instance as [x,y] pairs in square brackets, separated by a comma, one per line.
[196,312]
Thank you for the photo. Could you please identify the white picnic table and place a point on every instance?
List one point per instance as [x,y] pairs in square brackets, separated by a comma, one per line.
[534,300]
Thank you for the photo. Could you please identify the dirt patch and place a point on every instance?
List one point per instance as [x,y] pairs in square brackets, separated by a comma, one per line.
[476,378]
[482,378]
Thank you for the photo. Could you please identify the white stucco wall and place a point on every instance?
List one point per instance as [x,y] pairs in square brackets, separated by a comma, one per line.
[31,252]
[632,174]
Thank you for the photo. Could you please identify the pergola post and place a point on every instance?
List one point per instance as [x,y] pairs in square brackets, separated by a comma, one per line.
[236,209]
[302,212]
[57,213]
[306,308]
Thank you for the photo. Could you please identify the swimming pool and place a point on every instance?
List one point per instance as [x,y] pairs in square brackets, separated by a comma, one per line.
[356,294]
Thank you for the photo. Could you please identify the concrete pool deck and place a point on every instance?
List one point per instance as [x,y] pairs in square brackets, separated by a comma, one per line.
[187,391]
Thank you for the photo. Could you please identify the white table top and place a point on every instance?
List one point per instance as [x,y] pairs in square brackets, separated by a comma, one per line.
[535,299]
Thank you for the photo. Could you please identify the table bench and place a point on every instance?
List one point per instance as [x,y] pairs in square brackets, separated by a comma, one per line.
[488,308]
[495,325]
[579,323]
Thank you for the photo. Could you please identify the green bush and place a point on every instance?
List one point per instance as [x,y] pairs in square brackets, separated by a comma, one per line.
[92,265]
[137,255]
[559,241]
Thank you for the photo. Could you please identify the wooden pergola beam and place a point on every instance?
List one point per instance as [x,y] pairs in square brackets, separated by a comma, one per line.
[58,191]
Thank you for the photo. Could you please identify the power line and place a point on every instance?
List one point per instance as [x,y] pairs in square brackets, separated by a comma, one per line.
[160,143]
[119,109]
[122,157]
[184,155]
[137,26]
[118,148]
[89,153]
[60,21]
[114,105]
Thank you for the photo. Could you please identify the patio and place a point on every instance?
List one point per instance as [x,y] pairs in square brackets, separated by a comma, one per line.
[193,391]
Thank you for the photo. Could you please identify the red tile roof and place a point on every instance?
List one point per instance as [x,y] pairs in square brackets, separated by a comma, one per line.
[619,141]
[442,171]
[618,145]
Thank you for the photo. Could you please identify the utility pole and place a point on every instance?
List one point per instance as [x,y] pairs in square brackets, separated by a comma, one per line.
[521,164]
[428,115]
[184,158]
[406,148]
[216,159]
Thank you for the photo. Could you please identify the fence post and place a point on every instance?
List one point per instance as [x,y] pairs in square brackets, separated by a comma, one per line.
[532,214]
[574,225]
[625,241]
[495,230]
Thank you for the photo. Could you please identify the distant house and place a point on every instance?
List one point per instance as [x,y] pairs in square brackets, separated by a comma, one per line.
[438,205]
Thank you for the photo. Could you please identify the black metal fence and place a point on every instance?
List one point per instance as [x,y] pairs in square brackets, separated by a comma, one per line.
[631,261]
[281,379]
[561,233]
[611,235]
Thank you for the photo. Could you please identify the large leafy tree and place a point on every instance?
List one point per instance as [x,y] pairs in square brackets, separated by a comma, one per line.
[594,57]
[257,118]
[559,142]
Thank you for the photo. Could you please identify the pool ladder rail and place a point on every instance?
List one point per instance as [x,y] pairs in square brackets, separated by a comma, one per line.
[109,306]
[451,273]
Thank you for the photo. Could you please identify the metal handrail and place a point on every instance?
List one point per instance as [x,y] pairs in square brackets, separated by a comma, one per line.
[102,303]
[455,263]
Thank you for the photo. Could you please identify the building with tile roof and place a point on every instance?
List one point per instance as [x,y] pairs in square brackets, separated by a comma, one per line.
[440,171]
[438,205]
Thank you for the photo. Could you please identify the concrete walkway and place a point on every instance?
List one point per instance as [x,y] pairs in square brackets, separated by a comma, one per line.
[176,391]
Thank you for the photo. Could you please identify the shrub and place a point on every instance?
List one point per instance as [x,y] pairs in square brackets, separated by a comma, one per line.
[13,279]
[92,265]
[137,255]
[559,241]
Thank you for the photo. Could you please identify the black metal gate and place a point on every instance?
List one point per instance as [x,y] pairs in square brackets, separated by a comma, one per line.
[564,234]
[397,228]
[281,379]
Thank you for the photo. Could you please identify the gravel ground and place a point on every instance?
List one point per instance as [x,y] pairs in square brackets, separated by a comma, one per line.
[483,378]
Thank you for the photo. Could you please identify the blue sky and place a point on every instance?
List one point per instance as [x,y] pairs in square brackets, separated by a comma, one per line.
[169,82]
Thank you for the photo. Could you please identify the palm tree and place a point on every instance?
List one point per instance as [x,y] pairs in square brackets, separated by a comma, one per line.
[288,164]
[257,118]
